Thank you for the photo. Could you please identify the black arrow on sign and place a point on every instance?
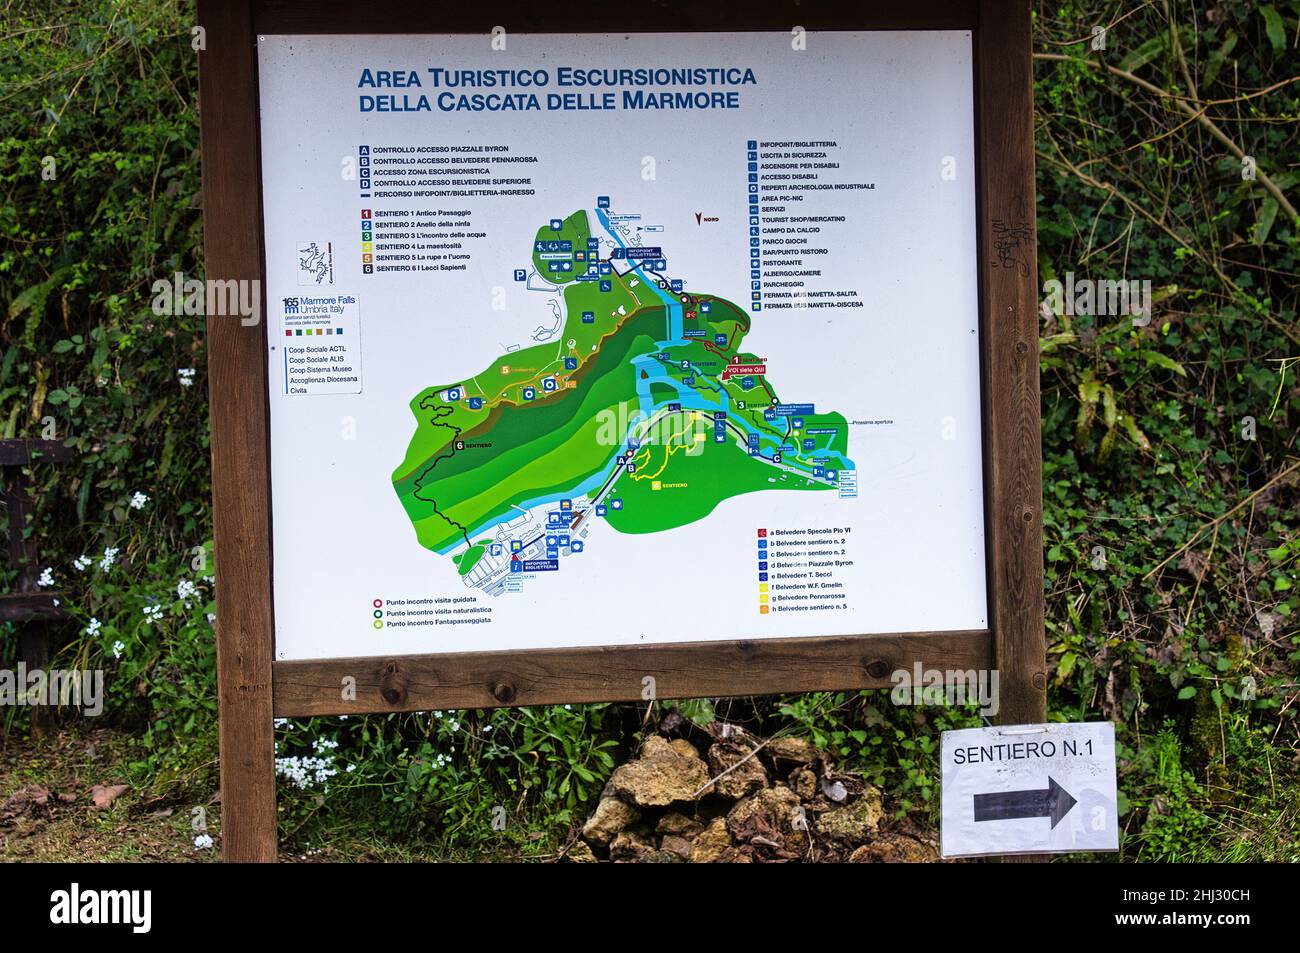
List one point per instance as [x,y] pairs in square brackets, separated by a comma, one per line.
[1054,802]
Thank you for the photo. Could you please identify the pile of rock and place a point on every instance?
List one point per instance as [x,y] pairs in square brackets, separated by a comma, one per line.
[776,801]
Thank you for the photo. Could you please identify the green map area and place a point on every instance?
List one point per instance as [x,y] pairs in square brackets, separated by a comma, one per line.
[645,411]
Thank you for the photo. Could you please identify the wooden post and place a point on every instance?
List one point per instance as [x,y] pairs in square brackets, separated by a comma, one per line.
[1009,272]
[240,484]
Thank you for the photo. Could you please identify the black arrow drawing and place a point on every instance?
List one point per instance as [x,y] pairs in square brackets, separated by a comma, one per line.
[1053,801]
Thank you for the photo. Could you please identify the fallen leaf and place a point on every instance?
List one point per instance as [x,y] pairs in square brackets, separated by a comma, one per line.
[102,796]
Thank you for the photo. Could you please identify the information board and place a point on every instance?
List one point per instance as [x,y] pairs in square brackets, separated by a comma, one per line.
[618,339]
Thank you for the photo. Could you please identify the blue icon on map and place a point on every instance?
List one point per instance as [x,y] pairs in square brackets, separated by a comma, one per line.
[556,224]
[521,275]
[476,403]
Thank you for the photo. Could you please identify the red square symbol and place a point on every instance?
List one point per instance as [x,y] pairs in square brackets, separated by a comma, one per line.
[762,532]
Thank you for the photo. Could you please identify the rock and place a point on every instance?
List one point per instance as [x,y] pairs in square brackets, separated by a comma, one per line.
[894,849]
[580,853]
[711,842]
[610,817]
[798,750]
[676,844]
[629,845]
[767,813]
[664,774]
[748,777]
[661,857]
[854,822]
[683,748]
[803,782]
[675,822]
[737,855]
[835,790]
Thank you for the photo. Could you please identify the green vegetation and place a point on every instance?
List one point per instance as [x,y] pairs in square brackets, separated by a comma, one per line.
[1170,479]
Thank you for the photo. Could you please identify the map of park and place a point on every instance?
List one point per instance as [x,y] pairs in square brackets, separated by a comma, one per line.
[639,408]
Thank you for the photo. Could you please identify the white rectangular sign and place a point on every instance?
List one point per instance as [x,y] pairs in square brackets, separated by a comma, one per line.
[668,338]
[1029,789]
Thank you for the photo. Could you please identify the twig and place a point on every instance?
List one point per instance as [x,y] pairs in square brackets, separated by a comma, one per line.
[1214,523]
[1199,115]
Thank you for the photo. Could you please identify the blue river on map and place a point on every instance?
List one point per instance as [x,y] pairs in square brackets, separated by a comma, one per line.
[655,372]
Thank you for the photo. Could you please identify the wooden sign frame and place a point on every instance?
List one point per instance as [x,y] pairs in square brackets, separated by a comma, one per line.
[254,688]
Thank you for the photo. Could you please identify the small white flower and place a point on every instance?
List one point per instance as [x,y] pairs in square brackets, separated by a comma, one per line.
[118,646]
[152,613]
[93,626]
[46,579]
[81,562]
[186,590]
[138,500]
[203,842]
[186,376]
[212,617]
[110,556]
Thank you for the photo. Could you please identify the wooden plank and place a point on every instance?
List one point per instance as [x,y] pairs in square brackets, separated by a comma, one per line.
[1009,279]
[617,673]
[596,16]
[240,476]
[21,452]
[27,606]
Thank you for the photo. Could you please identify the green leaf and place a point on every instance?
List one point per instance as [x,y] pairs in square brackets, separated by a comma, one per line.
[1264,221]
[1165,361]
[1145,53]
[1186,692]
[1273,27]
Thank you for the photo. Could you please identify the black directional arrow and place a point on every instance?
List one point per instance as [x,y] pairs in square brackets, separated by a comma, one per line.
[1054,802]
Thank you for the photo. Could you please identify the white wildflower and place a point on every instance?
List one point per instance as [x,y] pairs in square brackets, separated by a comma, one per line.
[118,646]
[110,556]
[138,500]
[46,579]
[186,376]
[93,626]
[203,842]
[81,562]
[152,613]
